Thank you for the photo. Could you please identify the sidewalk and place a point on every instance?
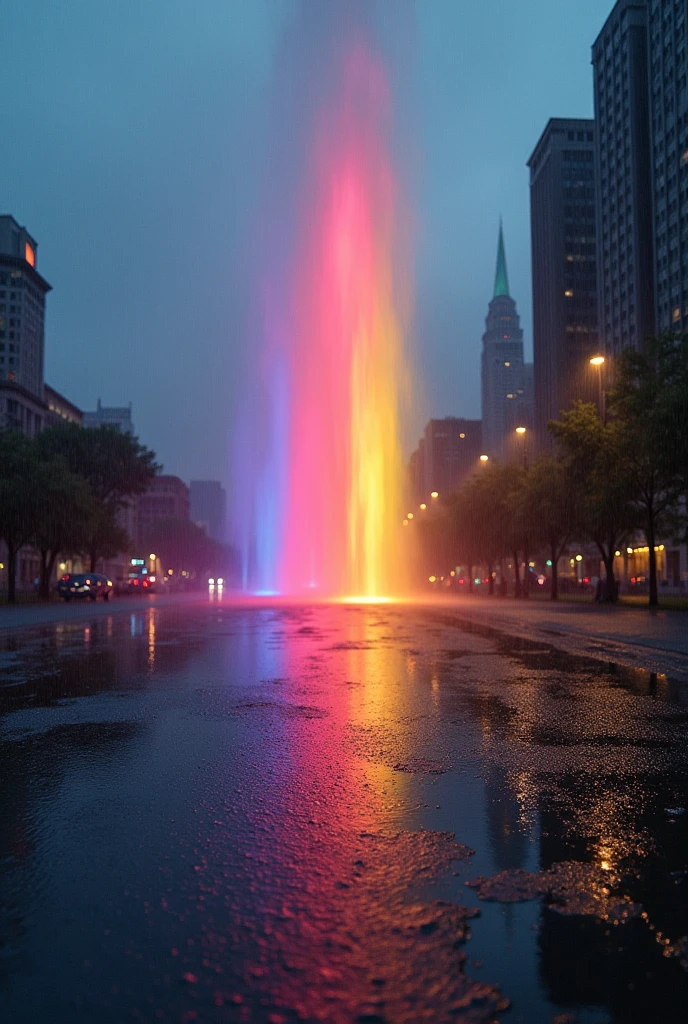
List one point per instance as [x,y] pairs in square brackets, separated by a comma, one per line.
[655,640]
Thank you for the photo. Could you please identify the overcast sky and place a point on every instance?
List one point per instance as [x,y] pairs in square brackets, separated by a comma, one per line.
[134,137]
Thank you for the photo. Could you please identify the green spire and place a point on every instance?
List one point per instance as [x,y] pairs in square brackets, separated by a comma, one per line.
[501,277]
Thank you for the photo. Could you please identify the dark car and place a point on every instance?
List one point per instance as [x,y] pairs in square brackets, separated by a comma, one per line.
[84,584]
[137,581]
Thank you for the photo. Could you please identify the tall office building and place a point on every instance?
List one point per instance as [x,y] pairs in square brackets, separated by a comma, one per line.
[564,269]
[209,507]
[504,377]
[22,320]
[118,416]
[451,452]
[626,278]
[668,114]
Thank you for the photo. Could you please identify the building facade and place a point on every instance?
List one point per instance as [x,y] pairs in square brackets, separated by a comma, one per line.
[668,116]
[451,452]
[208,501]
[503,375]
[59,409]
[110,416]
[564,269]
[166,498]
[22,330]
[623,170]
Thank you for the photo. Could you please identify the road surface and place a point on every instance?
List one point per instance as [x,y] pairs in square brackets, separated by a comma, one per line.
[220,813]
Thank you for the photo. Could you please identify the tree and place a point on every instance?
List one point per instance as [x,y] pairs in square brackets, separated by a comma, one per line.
[549,502]
[181,544]
[649,403]
[116,468]
[64,515]
[19,498]
[595,468]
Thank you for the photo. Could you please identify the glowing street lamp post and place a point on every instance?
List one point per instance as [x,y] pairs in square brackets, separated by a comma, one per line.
[598,362]
[521,431]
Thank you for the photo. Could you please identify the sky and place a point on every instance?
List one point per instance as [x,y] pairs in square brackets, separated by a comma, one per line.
[136,142]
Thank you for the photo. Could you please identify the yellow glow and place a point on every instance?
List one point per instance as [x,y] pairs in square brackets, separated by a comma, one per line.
[484,458]
[629,551]
[432,579]
[617,554]
[152,558]
[520,430]
[597,361]
[434,494]
[452,573]
[462,435]
[423,506]
[366,599]
[375,490]
[579,558]
[405,522]
[568,293]
[409,515]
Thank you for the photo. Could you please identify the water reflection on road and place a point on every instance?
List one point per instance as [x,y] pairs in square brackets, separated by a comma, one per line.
[238,814]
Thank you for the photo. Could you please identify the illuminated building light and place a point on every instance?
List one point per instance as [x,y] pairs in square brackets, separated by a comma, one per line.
[29,255]
[568,293]
[462,435]
[507,364]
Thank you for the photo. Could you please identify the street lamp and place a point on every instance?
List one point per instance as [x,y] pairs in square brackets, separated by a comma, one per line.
[598,362]
[521,431]
[434,494]
[423,506]
[484,458]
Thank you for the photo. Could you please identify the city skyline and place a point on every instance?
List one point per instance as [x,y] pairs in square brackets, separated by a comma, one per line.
[135,313]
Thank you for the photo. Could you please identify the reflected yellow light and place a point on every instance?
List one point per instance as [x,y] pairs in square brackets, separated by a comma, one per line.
[365,599]
[405,522]
[597,361]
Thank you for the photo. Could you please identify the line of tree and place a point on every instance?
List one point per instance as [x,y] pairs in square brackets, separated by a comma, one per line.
[616,474]
[62,493]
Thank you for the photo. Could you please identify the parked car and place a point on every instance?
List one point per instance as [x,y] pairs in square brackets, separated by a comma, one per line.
[84,584]
[137,581]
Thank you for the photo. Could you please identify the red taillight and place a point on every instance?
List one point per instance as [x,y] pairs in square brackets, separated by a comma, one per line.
[66,577]
[136,583]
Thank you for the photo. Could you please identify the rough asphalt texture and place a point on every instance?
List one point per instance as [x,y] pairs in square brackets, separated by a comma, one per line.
[379,814]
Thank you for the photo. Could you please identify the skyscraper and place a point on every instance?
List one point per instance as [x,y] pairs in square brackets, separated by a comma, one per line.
[22,318]
[504,379]
[209,507]
[668,115]
[118,416]
[451,452]
[626,304]
[564,268]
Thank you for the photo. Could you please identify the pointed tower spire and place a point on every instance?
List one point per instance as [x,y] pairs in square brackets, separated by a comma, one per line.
[501,286]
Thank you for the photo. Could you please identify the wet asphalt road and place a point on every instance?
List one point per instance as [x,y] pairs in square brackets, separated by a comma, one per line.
[216,813]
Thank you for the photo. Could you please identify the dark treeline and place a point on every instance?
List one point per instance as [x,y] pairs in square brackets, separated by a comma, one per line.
[63,493]
[617,472]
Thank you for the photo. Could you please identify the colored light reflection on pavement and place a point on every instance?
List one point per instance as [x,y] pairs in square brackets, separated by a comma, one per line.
[263,813]
[326,490]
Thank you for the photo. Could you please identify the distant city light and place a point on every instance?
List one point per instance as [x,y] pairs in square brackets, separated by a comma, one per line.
[434,494]
[549,563]
[423,506]
[520,430]
[484,458]
[409,515]
[433,579]
[462,435]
